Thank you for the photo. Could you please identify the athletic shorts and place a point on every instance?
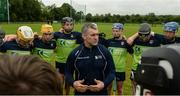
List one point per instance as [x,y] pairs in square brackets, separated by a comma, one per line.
[133,73]
[120,76]
[60,67]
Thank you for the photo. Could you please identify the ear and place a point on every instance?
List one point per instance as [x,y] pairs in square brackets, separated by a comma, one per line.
[83,36]
[121,30]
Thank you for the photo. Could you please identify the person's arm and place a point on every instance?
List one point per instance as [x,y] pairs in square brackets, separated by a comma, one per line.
[160,38]
[10,37]
[131,39]
[79,38]
[3,47]
[129,48]
[56,35]
[69,69]
[110,69]
[103,41]
[107,43]
[109,73]
[61,30]
[36,35]
[78,84]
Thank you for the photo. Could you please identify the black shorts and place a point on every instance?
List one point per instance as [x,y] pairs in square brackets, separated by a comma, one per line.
[60,67]
[133,73]
[120,76]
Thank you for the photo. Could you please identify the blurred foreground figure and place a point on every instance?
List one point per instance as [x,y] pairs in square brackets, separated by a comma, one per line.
[158,73]
[2,35]
[27,75]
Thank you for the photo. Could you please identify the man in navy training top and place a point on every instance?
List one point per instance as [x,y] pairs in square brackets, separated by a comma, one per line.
[92,63]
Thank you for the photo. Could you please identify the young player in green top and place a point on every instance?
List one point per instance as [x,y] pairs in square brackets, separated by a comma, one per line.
[66,41]
[23,43]
[45,46]
[119,49]
[143,42]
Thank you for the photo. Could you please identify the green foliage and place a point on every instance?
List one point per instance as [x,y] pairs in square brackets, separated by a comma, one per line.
[89,17]
[3,10]
[25,10]
[134,18]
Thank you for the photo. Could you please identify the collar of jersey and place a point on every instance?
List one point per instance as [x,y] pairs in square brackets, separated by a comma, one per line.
[172,40]
[67,32]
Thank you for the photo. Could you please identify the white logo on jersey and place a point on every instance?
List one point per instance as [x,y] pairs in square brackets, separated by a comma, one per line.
[52,44]
[87,57]
[151,41]
[98,57]
[72,36]
[122,43]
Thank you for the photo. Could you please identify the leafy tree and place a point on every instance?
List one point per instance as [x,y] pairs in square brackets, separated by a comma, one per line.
[79,16]
[25,10]
[89,17]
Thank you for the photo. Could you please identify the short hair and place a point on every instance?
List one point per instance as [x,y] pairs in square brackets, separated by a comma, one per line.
[87,26]
[28,75]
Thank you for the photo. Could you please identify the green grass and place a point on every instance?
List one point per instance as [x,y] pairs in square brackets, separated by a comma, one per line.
[129,30]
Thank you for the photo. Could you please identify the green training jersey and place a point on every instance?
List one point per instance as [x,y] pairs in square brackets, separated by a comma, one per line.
[138,50]
[45,50]
[140,46]
[65,44]
[19,52]
[46,54]
[119,56]
[119,50]
[64,47]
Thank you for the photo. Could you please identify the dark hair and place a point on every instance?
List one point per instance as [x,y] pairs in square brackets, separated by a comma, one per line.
[28,75]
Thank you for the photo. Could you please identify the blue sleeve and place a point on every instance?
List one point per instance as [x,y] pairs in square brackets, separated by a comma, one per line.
[110,68]
[55,44]
[79,38]
[69,68]
[177,39]
[159,37]
[3,48]
[103,41]
[56,35]
[129,48]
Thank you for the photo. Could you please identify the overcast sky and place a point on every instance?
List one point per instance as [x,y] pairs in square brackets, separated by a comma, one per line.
[123,7]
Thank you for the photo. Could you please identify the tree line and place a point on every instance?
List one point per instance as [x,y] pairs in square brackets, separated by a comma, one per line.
[35,10]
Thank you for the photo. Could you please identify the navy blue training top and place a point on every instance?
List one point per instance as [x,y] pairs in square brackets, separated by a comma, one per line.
[152,42]
[13,45]
[45,45]
[71,36]
[89,64]
[165,41]
[119,44]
